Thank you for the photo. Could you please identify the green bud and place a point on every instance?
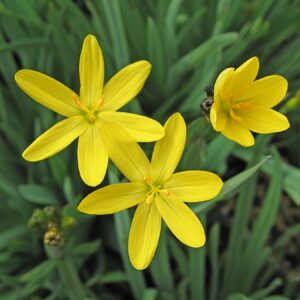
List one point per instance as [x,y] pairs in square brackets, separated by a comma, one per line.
[38,220]
[67,222]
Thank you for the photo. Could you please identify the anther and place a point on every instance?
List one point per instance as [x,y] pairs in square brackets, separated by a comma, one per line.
[165,192]
[234,116]
[149,199]
[78,103]
[148,180]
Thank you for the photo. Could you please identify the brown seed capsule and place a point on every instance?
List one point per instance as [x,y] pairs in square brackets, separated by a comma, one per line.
[52,237]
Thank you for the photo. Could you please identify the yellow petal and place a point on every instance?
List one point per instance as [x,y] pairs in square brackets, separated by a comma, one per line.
[168,151]
[142,129]
[218,118]
[181,220]
[263,120]
[91,71]
[125,85]
[113,198]
[244,75]
[55,139]
[237,132]
[126,154]
[47,91]
[92,156]
[144,235]
[194,186]
[267,91]
[223,77]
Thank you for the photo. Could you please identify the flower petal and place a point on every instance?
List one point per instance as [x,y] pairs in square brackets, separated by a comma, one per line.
[125,85]
[218,118]
[47,91]
[113,198]
[168,151]
[222,79]
[194,186]
[263,120]
[181,220]
[126,154]
[142,129]
[91,71]
[55,139]
[237,132]
[144,235]
[244,75]
[92,156]
[267,91]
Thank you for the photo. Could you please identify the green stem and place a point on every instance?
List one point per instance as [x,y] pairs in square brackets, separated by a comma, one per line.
[70,278]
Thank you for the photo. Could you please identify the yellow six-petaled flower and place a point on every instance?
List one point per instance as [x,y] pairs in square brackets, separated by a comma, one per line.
[242,103]
[158,192]
[86,114]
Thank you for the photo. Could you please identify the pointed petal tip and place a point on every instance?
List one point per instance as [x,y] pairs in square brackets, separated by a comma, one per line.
[91,181]
[178,116]
[200,242]
[90,37]
[250,144]
[139,267]
[81,207]
[145,64]
[20,73]
[28,157]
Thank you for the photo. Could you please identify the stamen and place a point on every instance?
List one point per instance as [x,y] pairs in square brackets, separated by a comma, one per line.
[98,104]
[148,180]
[234,116]
[78,103]
[241,105]
[165,192]
[149,199]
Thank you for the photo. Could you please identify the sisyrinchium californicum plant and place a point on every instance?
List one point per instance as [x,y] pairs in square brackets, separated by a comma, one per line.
[165,53]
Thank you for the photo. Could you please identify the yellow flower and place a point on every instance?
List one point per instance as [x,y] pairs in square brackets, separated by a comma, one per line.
[242,103]
[87,113]
[156,190]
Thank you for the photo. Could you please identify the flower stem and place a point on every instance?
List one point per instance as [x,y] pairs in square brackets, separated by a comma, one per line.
[70,278]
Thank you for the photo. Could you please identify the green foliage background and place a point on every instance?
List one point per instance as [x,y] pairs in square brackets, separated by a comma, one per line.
[188,42]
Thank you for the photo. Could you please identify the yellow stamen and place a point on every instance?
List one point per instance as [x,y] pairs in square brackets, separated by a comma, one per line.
[165,192]
[234,116]
[78,103]
[98,104]
[148,180]
[149,199]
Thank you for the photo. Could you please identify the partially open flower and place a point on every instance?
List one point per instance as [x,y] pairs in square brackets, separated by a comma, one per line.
[242,103]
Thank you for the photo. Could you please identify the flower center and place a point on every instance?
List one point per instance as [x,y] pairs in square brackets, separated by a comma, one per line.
[90,113]
[229,108]
[154,190]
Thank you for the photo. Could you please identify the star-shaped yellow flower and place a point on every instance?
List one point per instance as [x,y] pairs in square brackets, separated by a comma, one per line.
[87,113]
[242,103]
[158,192]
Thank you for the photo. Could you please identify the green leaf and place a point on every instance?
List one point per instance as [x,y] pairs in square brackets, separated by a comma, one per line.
[291,175]
[87,249]
[39,273]
[237,296]
[197,55]
[230,187]
[213,252]
[114,277]
[160,267]
[38,194]
[261,228]
[150,294]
